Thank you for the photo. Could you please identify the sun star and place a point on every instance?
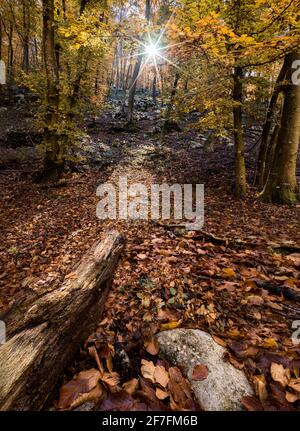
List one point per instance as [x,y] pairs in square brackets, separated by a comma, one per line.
[151,50]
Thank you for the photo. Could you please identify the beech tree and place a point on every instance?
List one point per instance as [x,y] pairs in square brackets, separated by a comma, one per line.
[281,186]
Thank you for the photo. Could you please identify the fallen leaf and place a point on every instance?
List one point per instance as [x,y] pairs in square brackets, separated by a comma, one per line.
[219,341]
[295,258]
[97,393]
[270,343]
[93,353]
[294,384]
[167,315]
[200,372]
[147,370]
[141,256]
[152,346]
[255,300]
[111,379]
[161,375]
[84,382]
[251,404]
[119,401]
[131,386]
[228,273]
[170,325]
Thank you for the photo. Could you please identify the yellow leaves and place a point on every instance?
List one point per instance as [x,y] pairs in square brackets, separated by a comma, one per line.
[228,273]
[270,343]
[83,383]
[170,325]
[161,394]
[131,386]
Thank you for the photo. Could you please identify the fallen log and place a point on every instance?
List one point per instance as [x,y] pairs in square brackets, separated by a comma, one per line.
[44,331]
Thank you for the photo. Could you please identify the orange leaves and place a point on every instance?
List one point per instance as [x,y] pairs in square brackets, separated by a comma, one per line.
[200,372]
[161,376]
[131,386]
[270,343]
[166,385]
[167,315]
[152,346]
[180,394]
[83,383]
[156,374]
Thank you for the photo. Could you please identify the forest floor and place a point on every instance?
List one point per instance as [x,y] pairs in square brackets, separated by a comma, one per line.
[217,279]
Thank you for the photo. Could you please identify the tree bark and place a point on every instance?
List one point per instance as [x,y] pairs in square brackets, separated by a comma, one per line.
[240,168]
[45,329]
[281,186]
[136,70]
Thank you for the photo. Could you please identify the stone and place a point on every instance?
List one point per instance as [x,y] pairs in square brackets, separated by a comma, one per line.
[224,386]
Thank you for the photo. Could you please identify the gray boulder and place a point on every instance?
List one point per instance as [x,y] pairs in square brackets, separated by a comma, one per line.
[224,386]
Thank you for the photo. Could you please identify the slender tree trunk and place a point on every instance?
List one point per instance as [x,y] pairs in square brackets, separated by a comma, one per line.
[281,186]
[154,87]
[136,70]
[272,148]
[172,96]
[132,88]
[26,28]
[0,38]
[263,149]
[240,168]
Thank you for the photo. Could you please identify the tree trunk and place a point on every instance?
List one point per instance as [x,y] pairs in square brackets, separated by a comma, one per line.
[10,55]
[263,149]
[167,121]
[136,70]
[240,168]
[53,162]
[45,329]
[132,88]
[281,186]
[271,151]
[25,38]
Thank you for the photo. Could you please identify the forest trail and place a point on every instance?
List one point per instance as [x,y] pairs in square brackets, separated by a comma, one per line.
[166,277]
